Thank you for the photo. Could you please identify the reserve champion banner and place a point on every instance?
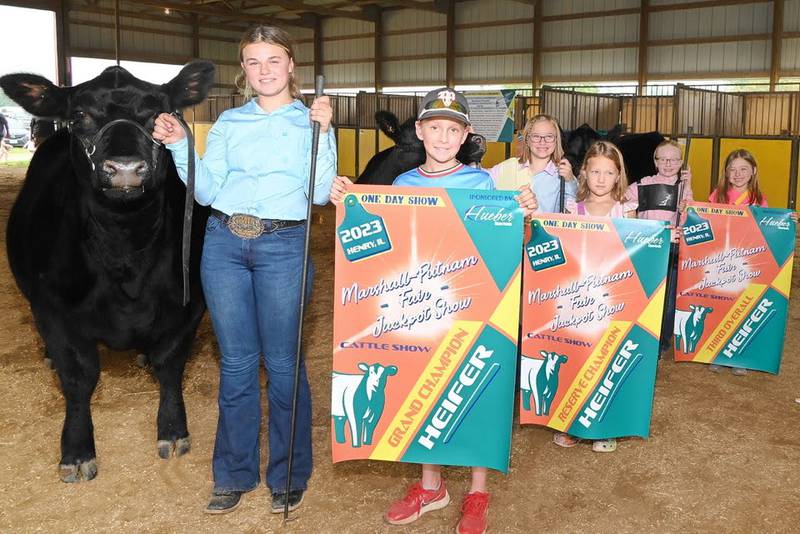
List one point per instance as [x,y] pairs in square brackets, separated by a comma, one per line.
[592,304]
[734,276]
[426,318]
[492,114]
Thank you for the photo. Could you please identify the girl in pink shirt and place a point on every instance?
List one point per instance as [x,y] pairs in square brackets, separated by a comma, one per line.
[740,186]
[668,158]
[601,193]
[601,189]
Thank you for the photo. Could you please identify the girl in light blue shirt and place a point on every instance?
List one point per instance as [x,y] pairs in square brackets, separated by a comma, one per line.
[254,176]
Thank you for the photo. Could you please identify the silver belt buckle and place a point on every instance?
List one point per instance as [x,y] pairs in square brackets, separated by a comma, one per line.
[245,226]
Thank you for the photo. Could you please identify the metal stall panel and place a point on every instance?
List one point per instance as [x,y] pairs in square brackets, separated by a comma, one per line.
[708,112]
[346,149]
[774,161]
[572,108]
[700,163]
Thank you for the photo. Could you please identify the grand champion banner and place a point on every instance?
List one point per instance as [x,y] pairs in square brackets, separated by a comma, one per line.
[426,317]
[591,316]
[734,275]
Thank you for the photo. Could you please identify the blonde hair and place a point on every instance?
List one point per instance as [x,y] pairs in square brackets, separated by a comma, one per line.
[668,142]
[755,191]
[270,35]
[557,154]
[606,150]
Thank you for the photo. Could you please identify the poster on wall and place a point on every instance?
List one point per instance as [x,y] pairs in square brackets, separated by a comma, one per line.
[734,277]
[426,317]
[593,299]
[492,114]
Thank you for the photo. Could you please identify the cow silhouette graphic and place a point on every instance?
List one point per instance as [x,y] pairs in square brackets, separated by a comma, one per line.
[689,325]
[359,400]
[539,378]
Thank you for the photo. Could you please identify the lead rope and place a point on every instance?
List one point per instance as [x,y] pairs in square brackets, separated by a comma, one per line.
[188,208]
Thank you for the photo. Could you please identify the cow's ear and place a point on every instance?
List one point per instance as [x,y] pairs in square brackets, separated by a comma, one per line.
[562,358]
[391,370]
[710,309]
[363,366]
[191,85]
[692,307]
[36,94]
[543,353]
[388,123]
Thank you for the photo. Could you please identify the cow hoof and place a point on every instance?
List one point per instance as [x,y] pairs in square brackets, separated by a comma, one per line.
[71,473]
[141,360]
[166,447]
[182,446]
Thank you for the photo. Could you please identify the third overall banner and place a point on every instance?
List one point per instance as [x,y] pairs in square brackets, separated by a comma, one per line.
[426,316]
[734,275]
[591,315]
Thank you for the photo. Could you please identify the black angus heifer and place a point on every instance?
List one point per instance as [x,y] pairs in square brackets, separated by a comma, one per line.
[408,151]
[637,149]
[94,243]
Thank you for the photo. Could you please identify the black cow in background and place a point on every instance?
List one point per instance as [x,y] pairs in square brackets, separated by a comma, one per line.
[94,243]
[637,149]
[408,152]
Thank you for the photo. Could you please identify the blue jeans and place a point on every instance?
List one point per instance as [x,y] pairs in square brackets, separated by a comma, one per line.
[252,288]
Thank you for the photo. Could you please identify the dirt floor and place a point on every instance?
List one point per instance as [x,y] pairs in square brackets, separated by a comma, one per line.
[724,455]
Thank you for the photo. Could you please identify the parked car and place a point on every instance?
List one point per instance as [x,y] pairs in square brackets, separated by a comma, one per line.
[19,132]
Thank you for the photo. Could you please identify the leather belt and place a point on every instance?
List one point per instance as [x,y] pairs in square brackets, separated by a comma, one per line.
[250,226]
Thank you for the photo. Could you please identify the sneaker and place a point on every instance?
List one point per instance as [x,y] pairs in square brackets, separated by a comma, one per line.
[474,513]
[223,501]
[604,445]
[417,502]
[565,440]
[279,501]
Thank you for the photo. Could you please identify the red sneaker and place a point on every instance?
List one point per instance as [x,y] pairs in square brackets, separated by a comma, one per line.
[417,501]
[474,514]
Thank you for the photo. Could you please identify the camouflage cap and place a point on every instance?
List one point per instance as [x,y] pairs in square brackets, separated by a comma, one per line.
[445,103]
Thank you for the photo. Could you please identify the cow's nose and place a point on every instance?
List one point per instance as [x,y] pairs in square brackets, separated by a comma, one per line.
[125,173]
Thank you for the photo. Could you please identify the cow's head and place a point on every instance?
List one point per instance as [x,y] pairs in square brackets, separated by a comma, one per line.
[111,120]
[698,312]
[576,142]
[376,375]
[553,357]
[404,135]
[473,149]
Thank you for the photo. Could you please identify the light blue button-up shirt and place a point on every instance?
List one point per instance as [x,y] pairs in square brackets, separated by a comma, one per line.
[258,162]
[547,186]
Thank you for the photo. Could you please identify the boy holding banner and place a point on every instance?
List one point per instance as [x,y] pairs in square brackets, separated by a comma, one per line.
[442,125]
[657,198]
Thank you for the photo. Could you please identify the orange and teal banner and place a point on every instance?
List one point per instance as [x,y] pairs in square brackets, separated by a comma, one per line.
[426,317]
[734,276]
[591,316]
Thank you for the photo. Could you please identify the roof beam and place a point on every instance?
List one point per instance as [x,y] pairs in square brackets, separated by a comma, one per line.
[249,18]
[296,6]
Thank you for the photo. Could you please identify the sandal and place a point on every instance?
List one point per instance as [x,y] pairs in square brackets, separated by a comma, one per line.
[604,445]
[565,440]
